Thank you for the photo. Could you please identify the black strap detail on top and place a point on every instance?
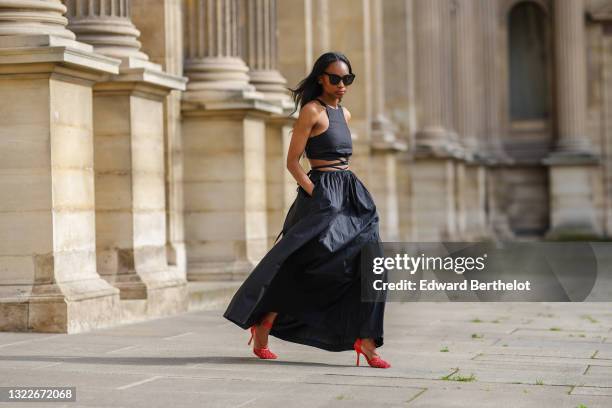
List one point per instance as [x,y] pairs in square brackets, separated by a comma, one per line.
[341,161]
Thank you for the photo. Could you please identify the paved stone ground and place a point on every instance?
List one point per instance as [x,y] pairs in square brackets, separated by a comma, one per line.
[520,355]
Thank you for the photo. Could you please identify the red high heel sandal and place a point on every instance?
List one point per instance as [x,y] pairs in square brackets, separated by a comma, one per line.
[375,361]
[264,352]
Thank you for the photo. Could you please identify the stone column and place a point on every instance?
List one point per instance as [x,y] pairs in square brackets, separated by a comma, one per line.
[128,114]
[570,67]
[260,51]
[224,143]
[351,33]
[448,28]
[433,173]
[607,111]
[49,281]
[399,66]
[106,25]
[384,132]
[385,141]
[449,67]
[491,129]
[466,97]
[572,164]
[472,219]
[161,33]
[32,18]
[432,135]
[212,52]
[489,24]
[400,101]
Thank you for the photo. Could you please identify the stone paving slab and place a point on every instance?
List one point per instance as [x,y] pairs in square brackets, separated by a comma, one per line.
[543,359]
[585,351]
[598,391]
[604,352]
[503,397]
[199,359]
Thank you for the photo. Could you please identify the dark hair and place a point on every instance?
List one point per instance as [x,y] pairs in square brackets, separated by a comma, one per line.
[309,87]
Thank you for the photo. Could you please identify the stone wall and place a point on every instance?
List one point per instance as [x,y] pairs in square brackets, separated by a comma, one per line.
[144,143]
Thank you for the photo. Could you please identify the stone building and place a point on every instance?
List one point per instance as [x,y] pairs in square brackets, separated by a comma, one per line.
[142,142]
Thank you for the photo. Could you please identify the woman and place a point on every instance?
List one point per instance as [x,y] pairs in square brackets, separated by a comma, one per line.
[306,289]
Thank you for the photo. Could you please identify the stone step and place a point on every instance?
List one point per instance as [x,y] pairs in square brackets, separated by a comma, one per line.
[133,310]
[203,295]
[206,295]
[211,295]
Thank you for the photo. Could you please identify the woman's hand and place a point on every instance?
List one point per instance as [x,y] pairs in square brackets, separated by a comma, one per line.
[311,189]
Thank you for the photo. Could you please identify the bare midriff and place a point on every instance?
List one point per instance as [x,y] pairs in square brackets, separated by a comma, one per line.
[320,162]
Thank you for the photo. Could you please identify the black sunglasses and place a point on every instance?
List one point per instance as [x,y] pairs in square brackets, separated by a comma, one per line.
[335,79]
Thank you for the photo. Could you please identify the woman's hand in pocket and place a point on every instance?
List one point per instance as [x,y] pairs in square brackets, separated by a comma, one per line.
[309,190]
[311,187]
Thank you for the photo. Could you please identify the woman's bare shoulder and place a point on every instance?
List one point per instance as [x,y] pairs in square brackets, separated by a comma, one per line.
[347,113]
[312,106]
[310,110]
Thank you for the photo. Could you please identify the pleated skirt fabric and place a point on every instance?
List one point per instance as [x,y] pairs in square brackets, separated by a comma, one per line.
[312,275]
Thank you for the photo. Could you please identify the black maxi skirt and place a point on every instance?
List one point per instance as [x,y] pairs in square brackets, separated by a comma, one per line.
[312,275]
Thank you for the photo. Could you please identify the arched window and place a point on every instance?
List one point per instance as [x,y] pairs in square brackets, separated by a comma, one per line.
[529,57]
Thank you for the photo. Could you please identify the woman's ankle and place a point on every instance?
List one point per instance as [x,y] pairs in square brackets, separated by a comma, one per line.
[269,317]
[368,342]
[261,336]
[368,345]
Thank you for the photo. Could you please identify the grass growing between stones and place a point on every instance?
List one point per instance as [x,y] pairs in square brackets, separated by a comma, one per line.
[457,377]
[589,318]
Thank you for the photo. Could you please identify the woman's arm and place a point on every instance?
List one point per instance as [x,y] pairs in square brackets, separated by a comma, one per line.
[302,127]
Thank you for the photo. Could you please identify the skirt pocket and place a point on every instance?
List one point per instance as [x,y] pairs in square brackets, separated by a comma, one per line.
[301,190]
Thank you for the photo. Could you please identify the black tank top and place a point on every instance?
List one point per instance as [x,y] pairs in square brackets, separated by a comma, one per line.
[335,141]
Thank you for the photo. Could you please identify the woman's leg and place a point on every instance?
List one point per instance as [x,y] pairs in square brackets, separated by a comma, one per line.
[369,348]
[261,332]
